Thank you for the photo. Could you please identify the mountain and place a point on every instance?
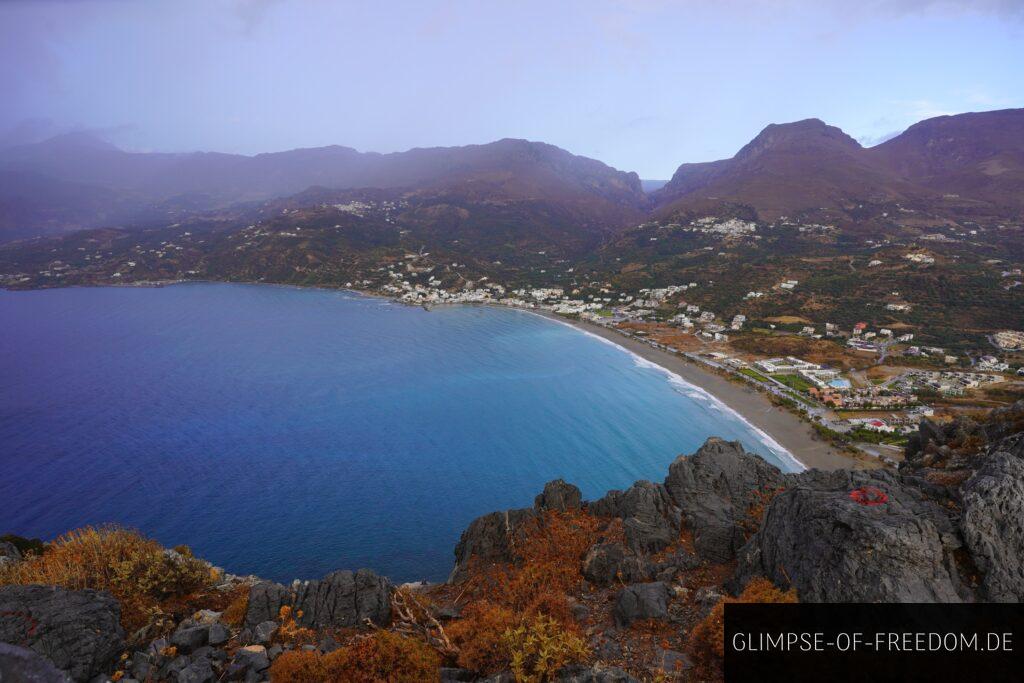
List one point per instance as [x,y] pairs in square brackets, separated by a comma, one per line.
[808,166]
[503,171]
[976,155]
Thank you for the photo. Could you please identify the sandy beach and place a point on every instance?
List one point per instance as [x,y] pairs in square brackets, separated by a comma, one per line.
[792,433]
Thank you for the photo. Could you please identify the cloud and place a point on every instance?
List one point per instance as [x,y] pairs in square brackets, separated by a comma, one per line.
[872,140]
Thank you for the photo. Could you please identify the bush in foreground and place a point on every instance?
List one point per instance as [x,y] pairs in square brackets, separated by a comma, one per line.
[134,569]
[709,635]
[382,657]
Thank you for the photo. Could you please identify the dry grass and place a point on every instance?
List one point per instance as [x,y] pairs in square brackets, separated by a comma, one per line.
[134,569]
[382,657]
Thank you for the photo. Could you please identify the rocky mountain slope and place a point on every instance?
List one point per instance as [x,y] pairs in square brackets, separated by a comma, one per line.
[619,589]
[131,187]
[948,166]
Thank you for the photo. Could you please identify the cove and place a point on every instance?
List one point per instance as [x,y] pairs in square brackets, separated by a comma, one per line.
[290,432]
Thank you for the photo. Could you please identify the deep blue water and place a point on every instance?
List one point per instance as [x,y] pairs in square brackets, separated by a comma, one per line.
[288,432]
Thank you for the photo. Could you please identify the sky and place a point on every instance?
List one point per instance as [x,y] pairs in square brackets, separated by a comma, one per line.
[643,85]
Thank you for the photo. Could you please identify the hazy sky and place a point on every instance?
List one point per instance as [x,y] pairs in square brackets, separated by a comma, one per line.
[640,84]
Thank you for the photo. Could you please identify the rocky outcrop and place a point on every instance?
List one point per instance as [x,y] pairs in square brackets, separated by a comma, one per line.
[340,599]
[266,599]
[716,489]
[607,562]
[593,674]
[558,495]
[641,601]
[650,520]
[993,525]
[19,665]
[851,536]
[344,598]
[9,553]
[488,539]
[78,631]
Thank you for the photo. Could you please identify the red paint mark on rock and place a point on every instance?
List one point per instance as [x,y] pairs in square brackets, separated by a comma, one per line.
[869,495]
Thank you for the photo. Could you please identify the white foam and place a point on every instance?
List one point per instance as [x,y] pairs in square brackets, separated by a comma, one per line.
[696,393]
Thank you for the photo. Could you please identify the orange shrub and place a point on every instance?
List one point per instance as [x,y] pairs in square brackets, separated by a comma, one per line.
[234,613]
[709,636]
[134,569]
[383,657]
[479,635]
[298,666]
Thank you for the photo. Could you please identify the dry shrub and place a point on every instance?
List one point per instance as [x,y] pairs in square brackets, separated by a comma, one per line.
[298,666]
[709,636]
[479,635]
[291,632]
[382,657]
[234,613]
[519,614]
[134,569]
[540,648]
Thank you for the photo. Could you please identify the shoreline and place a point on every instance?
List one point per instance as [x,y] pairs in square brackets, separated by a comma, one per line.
[779,425]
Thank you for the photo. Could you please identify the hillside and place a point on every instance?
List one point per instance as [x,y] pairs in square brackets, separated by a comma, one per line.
[624,588]
[125,188]
[948,167]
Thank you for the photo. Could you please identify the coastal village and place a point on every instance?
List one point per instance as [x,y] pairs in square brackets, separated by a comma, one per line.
[869,402]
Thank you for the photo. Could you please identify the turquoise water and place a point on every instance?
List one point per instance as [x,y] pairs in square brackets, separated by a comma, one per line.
[288,432]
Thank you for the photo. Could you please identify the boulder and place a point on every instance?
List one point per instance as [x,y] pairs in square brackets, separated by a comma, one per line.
[344,599]
[715,488]
[992,523]
[650,520]
[78,631]
[488,539]
[558,495]
[854,536]
[9,553]
[264,632]
[601,563]
[189,637]
[248,660]
[217,634]
[265,602]
[19,665]
[641,601]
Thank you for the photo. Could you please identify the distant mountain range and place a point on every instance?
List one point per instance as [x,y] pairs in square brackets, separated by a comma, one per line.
[969,164]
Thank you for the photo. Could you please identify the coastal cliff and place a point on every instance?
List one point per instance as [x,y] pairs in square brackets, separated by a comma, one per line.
[626,587]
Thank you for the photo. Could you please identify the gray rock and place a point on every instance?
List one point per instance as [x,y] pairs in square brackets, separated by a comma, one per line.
[78,631]
[641,601]
[189,637]
[274,652]
[198,671]
[264,632]
[454,675]
[650,519]
[251,659]
[265,602]
[488,539]
[9,553]
[992,523]
[606,563]
[715,489]
[328,644]
[598,673]
[19,665]
[601,563]
[674,662]
[834,549]
[558,495]
[344,599]
[218,634]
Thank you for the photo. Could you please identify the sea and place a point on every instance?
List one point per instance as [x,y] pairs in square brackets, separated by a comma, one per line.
[289,432]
